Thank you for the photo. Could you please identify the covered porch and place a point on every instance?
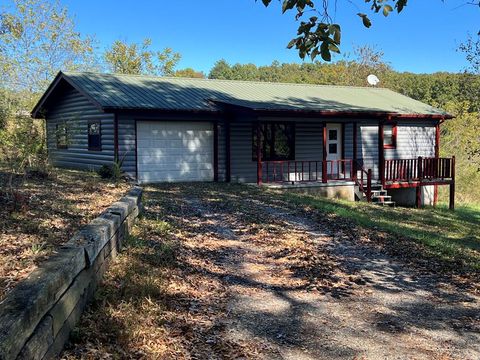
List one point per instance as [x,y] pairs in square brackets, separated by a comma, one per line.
[398,173]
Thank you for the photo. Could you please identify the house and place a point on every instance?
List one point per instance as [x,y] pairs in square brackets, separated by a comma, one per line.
[342,141]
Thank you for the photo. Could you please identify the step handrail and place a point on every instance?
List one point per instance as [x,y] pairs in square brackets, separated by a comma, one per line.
[361,183]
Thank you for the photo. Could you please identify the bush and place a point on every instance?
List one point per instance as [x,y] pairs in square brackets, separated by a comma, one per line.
[22,147]
[39,172]
[111,172]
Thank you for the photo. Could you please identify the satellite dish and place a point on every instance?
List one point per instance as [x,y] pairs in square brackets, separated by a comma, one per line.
[373,80]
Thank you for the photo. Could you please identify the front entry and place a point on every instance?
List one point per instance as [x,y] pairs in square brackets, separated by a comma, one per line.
[334,149]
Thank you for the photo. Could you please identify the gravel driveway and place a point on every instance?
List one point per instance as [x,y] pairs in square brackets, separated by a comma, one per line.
[283,285]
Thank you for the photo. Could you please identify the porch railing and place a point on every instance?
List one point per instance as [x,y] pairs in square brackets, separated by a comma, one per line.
[280,171]
[419,169]
[364,181]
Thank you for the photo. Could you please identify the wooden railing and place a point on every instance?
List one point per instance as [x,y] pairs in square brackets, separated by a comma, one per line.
[364,181]
[420,169]
[279,171]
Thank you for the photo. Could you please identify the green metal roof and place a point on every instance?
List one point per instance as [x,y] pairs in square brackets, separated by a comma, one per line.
[114,91]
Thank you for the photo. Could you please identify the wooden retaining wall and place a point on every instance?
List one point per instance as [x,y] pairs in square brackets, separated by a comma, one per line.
[37,316]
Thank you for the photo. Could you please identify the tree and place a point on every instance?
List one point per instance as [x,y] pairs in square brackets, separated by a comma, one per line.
[140,59]
[221,70]
[189,73]
[37,39]
[318,35]
[471,49]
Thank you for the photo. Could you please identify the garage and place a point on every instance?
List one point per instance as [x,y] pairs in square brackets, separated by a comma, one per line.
[174,151]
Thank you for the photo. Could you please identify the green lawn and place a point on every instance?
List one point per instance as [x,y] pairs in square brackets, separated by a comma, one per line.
[450,235]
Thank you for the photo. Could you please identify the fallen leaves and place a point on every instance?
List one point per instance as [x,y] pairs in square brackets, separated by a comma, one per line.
[52,211]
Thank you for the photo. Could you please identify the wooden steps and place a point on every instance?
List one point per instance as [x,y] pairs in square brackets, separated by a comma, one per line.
[379,196]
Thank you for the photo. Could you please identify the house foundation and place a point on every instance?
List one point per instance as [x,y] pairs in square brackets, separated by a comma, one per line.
[332,190]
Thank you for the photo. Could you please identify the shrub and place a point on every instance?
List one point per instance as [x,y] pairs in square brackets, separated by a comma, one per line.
[113,172]
[105,172]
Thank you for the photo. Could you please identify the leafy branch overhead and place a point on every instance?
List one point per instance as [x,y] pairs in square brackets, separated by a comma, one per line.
[319,35]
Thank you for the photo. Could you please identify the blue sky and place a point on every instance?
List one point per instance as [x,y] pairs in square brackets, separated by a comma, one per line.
[423,38]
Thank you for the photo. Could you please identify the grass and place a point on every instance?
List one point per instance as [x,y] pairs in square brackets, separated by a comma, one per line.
[453,236]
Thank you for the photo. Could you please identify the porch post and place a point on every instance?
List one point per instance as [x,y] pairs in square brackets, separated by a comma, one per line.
[381,154]
[324,155]
[437,155]
[418,193]
[452,186]
[259,155]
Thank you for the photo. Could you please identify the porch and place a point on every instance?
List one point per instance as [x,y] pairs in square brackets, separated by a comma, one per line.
[393,174]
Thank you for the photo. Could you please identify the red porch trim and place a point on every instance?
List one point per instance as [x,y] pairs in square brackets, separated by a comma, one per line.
[414,184]
[393,145]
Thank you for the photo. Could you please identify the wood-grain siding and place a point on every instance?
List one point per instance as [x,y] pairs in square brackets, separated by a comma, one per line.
[75,110]
[413,140]
[368,145]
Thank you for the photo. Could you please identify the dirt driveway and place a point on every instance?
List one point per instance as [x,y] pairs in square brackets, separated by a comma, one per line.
[255,278]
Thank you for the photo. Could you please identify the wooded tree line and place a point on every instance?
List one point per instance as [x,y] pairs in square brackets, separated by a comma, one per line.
[38,38]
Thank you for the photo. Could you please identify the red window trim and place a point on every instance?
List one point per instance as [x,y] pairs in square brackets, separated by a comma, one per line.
[393,145]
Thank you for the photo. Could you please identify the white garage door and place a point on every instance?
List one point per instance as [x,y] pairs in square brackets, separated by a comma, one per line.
[174,151]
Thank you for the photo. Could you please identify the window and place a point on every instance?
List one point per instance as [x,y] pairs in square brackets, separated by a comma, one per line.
[94,135]
[389,136]
[332,148]
[61,135]
[277,141]
[333,134]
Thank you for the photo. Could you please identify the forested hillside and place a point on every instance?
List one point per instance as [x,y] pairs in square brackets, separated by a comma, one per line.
[458,93]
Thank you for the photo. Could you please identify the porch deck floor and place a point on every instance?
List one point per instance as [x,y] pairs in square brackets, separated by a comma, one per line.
[300,184]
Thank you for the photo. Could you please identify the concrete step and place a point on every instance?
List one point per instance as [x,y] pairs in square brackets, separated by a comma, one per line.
[379,199]
[379,193]
[386,203]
